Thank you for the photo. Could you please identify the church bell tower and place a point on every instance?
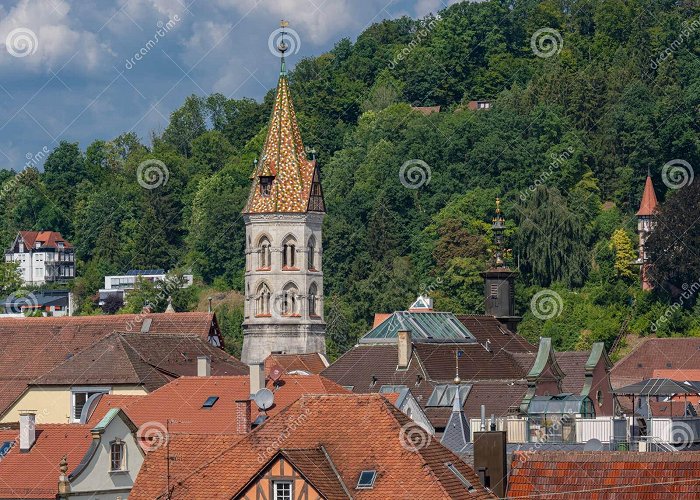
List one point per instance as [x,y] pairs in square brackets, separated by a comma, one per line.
[283,310]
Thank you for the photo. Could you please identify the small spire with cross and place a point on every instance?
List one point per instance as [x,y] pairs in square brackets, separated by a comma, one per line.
[282,46]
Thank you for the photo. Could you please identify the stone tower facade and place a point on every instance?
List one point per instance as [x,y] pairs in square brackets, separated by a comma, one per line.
[283,310]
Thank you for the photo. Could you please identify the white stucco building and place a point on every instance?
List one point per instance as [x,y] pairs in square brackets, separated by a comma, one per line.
[43,257]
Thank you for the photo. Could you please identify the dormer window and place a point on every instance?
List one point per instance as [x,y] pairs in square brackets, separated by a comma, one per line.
[266,185]
[117,456]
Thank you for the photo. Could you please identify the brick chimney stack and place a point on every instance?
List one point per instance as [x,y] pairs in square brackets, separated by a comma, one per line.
[243,414]
[405,348]
[27,430]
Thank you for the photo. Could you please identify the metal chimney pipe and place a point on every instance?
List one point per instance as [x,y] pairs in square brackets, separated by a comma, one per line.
[483,418]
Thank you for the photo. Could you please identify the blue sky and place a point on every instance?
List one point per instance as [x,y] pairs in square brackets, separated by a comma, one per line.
[68,72]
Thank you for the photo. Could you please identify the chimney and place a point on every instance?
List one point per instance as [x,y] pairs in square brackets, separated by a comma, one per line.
[203,366]
[405,348]
[257,377]
[243,416]
[27,430]
[63,483]
[490,460]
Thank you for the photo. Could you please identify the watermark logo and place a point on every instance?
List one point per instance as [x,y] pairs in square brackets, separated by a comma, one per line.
[414,438]
[418,37]
[677,174]
[152,174]
[284,41]
[557,161]
[414,174]
[163,29]
[546,304]
[25,304]
[685,298]
[546,42]
[152,435]
[21,42]
[684,36]
[682,435]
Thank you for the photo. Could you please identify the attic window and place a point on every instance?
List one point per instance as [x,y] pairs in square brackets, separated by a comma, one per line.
[5,448]
[366,480]
[444,394]
[266,185]
[211,400]
[469,486]
[388,389]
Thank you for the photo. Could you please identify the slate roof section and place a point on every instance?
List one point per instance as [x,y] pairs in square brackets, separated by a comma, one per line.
[573,364]
[34,474]
[181,401]
[330,421]
[313,363]
[485,328]
[656,354]
[604,474]
[147,359]
[32,347]
[284,158]
[424,327]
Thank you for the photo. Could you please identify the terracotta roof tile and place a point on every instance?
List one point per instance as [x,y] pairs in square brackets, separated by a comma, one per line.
[605,475]
[34,474]
[655,354]
[32,347]
[181,401]
[48,239]
[648,204]
[310,363]
[148,359]
[333,422]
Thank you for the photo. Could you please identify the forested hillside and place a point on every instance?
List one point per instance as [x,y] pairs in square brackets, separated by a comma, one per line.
[575,124]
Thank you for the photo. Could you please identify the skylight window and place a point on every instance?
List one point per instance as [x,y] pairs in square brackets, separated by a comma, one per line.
[5,448]
[366,480]
[211,400]
[387,388]
[444,394]
[469,486]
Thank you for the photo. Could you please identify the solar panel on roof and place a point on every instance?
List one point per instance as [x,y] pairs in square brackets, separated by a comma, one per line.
[211,400]
[366,480]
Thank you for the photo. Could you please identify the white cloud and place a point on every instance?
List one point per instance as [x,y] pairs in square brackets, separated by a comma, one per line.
[44,36]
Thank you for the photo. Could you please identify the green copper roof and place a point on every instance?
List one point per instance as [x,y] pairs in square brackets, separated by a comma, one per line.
[106,419]
[424,327]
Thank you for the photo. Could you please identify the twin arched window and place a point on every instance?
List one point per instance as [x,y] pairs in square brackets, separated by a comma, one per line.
[289,252]
[313,299]
[310,254]
[262,300]
[289,302]
[265,254]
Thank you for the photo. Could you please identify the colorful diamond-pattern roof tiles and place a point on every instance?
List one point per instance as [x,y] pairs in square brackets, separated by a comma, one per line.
[295,179]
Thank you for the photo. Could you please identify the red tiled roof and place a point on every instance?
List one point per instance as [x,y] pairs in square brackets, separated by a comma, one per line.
[34,474]
[32,347]
[147,359]
[330,421]
[678,374]
[605,475]
[48,239]
[310,363]
[648,204]
[181,401]
[655,354]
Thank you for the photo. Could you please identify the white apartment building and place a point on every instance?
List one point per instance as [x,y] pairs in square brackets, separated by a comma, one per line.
[122,284]
[43,257]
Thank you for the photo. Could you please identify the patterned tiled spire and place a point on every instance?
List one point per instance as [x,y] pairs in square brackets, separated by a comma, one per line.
[283,165]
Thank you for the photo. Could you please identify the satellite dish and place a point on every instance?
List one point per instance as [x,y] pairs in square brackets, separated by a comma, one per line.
[264,398]
[276,373]
[593,445]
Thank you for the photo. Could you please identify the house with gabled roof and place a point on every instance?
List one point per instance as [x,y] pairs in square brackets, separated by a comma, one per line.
[43,257]
[76,461]
[312,449]
[32,347]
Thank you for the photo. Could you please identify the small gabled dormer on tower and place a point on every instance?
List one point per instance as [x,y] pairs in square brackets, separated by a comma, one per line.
[645,226]
[283,217]
[499,279]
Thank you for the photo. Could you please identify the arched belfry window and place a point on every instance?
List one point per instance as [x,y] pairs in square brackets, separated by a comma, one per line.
[264,253]
[289,304]
[313,300]
[289,253]
[266,185]
[311,254]
[262,300]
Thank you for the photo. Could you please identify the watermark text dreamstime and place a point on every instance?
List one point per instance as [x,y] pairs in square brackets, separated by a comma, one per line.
[163,29]
[418,37]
